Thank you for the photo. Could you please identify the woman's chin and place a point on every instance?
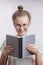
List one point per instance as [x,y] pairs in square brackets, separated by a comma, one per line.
[21,34]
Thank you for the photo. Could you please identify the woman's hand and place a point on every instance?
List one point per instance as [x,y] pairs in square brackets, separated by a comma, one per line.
[33,49]
[7,50]
[4,57]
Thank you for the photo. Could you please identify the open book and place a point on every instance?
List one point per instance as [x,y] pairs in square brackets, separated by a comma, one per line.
[19,44]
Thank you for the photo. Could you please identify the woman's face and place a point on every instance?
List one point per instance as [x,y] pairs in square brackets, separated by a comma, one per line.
[21,25]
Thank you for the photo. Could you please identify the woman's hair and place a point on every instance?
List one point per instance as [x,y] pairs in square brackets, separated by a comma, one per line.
[21,12]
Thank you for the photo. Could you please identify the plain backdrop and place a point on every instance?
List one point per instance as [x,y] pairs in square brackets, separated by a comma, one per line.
[35,7]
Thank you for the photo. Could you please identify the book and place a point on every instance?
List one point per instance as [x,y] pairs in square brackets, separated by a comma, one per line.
[19,44]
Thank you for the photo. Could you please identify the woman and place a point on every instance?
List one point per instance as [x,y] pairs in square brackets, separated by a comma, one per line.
[21,21]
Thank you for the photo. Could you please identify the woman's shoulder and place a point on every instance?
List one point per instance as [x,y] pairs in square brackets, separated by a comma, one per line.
[3,44]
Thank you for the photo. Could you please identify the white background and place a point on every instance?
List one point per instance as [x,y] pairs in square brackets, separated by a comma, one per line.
[35,7]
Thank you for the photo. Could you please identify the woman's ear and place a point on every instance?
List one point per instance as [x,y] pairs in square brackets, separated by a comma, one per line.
[30,23]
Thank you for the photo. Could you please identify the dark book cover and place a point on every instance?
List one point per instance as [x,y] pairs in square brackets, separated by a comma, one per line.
[19,44]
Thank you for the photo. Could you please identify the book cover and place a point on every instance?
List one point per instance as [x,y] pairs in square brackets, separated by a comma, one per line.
[19,44]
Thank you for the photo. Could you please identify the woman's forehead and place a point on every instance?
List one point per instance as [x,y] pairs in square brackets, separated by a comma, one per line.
[22,19]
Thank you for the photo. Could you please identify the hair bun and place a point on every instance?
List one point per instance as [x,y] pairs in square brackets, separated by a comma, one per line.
[20,8]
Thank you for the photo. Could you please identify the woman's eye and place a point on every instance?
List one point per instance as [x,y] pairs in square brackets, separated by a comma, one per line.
[24,24]
[17,24]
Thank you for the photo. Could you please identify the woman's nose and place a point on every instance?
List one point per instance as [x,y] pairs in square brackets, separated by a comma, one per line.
[21,27]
